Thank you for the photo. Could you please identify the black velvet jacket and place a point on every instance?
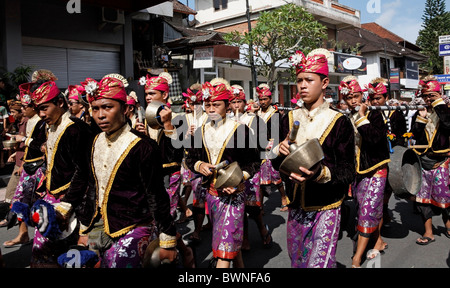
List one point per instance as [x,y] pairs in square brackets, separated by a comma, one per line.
[136,196]
[339,151]
[70,156]
[243,150]
[438,143]
[33,150]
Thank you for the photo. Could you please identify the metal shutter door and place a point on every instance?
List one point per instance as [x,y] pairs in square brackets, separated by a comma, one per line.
[50,58]
[91,64]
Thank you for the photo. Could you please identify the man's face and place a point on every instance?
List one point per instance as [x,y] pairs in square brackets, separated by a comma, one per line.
[16,114]
[75,107]
[430,97]
[353,100]
[216,110]
[310,87]
[155,95]
[265,102]
[51,112]
[109,114]
[28,111]
[378,100]
[237,104]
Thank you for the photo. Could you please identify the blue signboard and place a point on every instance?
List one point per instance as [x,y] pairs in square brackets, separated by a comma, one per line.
[444,49]
[443,79]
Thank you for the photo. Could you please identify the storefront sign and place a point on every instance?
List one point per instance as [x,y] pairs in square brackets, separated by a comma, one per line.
[204,58]
[350,64]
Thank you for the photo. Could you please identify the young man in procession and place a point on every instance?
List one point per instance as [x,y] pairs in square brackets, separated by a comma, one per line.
[431,129]
[254,199]
[33,168]
[317,194]
[271,118]
[193,119]
[67,145]
[157,89]
[122,162]
[372,158]
[218,140]
[396,124]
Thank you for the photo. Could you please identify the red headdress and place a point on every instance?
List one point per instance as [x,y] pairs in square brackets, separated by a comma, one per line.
[313,63]
[215,93]
[379,89]
[237,92]
[160,83]
[132,99]
[193,98]
[108,87]
[24,93]
[429,85]
[76,92]
[346,88]
[263,90]
[46,92]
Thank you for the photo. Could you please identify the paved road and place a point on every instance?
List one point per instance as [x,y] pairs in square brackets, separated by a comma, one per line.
[402,252]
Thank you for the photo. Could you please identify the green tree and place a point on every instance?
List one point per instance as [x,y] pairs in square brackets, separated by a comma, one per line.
[276,37]
[436,22]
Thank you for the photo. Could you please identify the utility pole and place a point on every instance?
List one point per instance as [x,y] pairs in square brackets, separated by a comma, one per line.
[250,50]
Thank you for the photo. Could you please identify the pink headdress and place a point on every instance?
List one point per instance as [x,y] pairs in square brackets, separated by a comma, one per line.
[46,92]
[429,86]
[263,90]
[25,97]
[215,93]
[108,87]
[237,92]
[76,92]
[349,88]
[316,63]
[160,82]
[193,98]
[380,89]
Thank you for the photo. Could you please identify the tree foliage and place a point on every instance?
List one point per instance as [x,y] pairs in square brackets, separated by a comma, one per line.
[277,35]
[436,22]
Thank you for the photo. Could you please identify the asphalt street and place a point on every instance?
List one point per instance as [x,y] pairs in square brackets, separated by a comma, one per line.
[402,252]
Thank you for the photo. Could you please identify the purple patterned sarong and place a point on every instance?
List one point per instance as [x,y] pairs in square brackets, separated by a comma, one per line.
[27,186]
[128,251]
[174,192]
[253,195]
[369,193]
[435,186]
[312,237]
[227,216]
[268,174]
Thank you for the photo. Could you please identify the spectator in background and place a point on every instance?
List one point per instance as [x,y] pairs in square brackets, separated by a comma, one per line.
[4,115]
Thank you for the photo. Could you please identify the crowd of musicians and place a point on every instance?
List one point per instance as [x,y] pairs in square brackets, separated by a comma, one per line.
[97,175]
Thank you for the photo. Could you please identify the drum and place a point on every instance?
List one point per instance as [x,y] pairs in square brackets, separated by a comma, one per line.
[405,172]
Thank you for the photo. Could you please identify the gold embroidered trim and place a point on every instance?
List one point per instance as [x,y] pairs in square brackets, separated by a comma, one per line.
[108,189]
[219,157]
[171,164]
[50,166]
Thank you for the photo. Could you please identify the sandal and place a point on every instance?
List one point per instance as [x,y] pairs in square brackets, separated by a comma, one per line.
[447,233]
[428,240]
